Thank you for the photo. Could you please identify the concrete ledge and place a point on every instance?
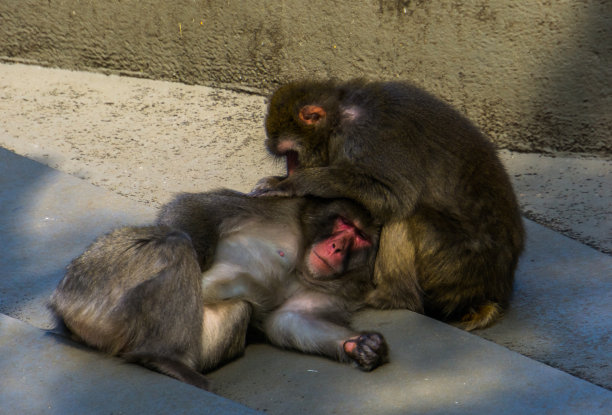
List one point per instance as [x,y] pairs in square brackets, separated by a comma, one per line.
[45,374]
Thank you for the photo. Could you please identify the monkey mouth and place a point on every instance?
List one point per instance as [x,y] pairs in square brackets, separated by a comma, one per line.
[293,161]
[323,261]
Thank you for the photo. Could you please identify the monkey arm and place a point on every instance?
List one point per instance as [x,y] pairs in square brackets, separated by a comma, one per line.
[306,332]
[305,323]
[377,195]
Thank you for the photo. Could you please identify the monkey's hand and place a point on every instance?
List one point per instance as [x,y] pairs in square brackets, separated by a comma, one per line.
[269,186]
[367,350]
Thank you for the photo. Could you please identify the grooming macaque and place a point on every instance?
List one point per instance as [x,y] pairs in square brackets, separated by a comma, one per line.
[179,296]
[452,231]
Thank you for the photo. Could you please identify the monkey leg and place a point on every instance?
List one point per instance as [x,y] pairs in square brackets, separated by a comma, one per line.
[136,293]
[224,330]
[165,312]
[394,271]
[465,272]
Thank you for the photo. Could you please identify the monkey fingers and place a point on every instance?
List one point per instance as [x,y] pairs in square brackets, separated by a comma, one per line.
[270,193]
[368,350]
[266,185]
[276,186]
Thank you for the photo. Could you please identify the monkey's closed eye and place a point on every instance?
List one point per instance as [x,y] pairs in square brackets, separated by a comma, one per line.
[361,239]
[363,236]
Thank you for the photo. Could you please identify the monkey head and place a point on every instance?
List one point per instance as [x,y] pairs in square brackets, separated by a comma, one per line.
[299,121]
[341,240]
[333,255]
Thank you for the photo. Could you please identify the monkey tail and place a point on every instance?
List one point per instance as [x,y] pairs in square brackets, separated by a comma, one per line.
[169,367]
[480,317]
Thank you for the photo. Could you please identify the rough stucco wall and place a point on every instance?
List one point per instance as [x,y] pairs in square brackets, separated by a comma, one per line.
[535,75]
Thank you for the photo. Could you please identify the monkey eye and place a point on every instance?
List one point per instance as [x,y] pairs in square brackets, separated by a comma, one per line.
[347,223]
[362,238]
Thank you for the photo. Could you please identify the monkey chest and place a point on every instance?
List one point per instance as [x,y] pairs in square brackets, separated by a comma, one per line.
[261,256]
[254,263]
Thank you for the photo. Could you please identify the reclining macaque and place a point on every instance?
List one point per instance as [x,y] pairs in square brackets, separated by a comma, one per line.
[178,297]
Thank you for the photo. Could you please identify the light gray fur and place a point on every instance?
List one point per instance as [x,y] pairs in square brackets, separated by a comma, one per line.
[178,297]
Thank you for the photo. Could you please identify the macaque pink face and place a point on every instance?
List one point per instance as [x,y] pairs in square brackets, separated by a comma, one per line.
[328,257]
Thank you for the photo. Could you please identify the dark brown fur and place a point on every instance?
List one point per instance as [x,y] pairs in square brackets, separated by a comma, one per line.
[452,231]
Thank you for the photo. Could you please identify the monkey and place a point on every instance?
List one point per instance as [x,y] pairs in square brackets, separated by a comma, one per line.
[452,231]
[180,295]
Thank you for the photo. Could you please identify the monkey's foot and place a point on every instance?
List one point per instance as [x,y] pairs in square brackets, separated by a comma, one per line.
[480,317]
[368,350]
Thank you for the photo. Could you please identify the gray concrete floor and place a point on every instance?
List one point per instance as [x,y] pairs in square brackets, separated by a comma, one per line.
[570,194]
[146,140]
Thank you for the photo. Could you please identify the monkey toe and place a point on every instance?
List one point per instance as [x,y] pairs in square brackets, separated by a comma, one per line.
[368,350]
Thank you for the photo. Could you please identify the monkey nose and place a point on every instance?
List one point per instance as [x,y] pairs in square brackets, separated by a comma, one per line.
[337,248]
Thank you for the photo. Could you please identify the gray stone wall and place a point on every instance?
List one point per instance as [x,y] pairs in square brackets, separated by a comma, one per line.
[534,75]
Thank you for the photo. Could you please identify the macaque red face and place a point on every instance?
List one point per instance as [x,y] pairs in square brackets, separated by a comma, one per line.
[331,256]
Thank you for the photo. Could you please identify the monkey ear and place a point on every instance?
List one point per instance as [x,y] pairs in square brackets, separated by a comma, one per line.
[311,114]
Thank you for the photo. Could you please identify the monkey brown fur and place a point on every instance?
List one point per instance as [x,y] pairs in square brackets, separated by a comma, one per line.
[178,296]
[452,232]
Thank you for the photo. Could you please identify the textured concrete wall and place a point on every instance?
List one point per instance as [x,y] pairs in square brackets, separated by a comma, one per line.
[535,75]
